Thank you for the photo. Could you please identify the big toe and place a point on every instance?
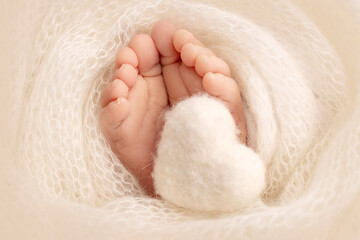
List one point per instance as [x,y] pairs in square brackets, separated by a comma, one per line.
[163,35]
[147,55]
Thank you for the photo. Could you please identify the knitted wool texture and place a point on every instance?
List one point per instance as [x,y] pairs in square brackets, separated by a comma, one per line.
[296,63]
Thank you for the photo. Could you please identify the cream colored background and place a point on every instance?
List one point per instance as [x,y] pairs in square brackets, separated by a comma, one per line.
[7,15]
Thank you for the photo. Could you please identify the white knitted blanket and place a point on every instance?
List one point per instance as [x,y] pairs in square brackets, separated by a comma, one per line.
[297,65]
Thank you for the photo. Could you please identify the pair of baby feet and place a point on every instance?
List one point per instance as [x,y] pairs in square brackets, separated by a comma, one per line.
[155,72]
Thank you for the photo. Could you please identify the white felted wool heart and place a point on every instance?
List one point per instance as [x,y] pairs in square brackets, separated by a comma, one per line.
[201,165]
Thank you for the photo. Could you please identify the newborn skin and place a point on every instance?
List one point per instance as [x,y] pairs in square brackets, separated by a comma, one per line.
[153,73]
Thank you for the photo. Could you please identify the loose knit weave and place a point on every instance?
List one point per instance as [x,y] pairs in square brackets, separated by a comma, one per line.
[296,63]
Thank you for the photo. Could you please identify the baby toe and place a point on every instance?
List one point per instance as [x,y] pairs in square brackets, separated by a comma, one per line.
[113,91]
[190,52]
[181,37]
[126,56]
[208,63]
[127,73]
[221,86]
[163,34]
[147,54]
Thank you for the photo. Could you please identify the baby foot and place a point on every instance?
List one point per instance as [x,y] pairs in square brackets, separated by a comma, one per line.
[133,104]
[132,108]
[189,67]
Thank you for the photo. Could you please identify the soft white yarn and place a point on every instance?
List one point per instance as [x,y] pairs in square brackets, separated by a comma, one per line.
[200,163]
[296,63]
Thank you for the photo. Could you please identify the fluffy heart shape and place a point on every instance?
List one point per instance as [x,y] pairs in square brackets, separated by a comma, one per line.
[200,163]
